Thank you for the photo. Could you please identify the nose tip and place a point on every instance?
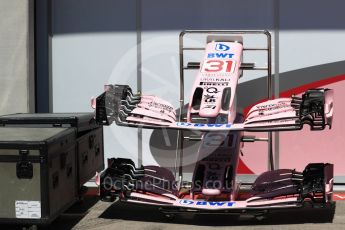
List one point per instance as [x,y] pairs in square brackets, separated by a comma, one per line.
[209,112]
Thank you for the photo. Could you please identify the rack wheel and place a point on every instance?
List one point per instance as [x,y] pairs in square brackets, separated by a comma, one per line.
[260,217]
[169,216]
[32,227]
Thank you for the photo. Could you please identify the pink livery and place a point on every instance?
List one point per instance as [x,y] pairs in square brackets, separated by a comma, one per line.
[212,113]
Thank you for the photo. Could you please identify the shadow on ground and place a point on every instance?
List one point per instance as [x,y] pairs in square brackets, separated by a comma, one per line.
[152,214]
[91,213]
[67,220]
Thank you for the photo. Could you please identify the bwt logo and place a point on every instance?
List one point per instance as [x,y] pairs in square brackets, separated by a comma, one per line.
[222,47]
[207,203]
[200,125]
[219,55]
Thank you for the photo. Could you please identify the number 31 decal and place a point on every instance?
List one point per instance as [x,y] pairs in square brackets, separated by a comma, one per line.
[218,66]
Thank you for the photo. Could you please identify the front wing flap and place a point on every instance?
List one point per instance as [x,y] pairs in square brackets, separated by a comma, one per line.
[119,104]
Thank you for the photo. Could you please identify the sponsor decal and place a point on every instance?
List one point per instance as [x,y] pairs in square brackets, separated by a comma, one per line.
[271,122]
[277,107]
[271,112]
[214,83]
[220,55]
[222,47]
[218,66]
[277,104]
[214,78]
[161,106]
[208,203]
[212,90]
[187,124]
[210,98]
[209,107]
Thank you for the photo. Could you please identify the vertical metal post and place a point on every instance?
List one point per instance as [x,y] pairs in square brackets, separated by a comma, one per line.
[269,95]
[139,76]
[276,8]
[179,144]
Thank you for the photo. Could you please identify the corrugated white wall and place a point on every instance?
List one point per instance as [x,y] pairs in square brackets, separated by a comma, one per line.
[16,56]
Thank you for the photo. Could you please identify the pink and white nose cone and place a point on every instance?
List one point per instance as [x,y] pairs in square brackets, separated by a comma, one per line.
[219,70]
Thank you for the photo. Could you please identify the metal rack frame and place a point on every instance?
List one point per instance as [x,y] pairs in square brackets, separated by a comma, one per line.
[180,137]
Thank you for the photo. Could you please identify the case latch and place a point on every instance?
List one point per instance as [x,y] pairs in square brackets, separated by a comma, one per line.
[24,167]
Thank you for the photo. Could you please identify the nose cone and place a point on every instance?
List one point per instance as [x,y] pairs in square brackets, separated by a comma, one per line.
[210,102]
[209,111]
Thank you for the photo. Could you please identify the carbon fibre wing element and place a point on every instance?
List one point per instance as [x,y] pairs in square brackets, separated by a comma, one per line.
[118,104]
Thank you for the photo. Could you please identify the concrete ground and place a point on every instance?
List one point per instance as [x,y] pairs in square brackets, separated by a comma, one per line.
[94,214]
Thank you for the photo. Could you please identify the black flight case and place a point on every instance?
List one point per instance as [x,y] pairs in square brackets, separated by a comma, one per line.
[37,174]
[90,150]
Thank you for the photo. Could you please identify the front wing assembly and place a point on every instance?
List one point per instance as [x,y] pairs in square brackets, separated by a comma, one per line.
[277,189]
[118,104]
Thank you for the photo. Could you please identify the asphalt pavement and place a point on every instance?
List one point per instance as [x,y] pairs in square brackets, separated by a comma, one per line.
[98,215]
[107,216]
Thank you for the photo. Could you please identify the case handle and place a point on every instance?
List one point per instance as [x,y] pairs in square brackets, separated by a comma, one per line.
[24,168]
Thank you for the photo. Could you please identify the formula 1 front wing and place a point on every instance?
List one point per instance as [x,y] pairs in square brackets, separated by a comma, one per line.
[118,104]
[277,189]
